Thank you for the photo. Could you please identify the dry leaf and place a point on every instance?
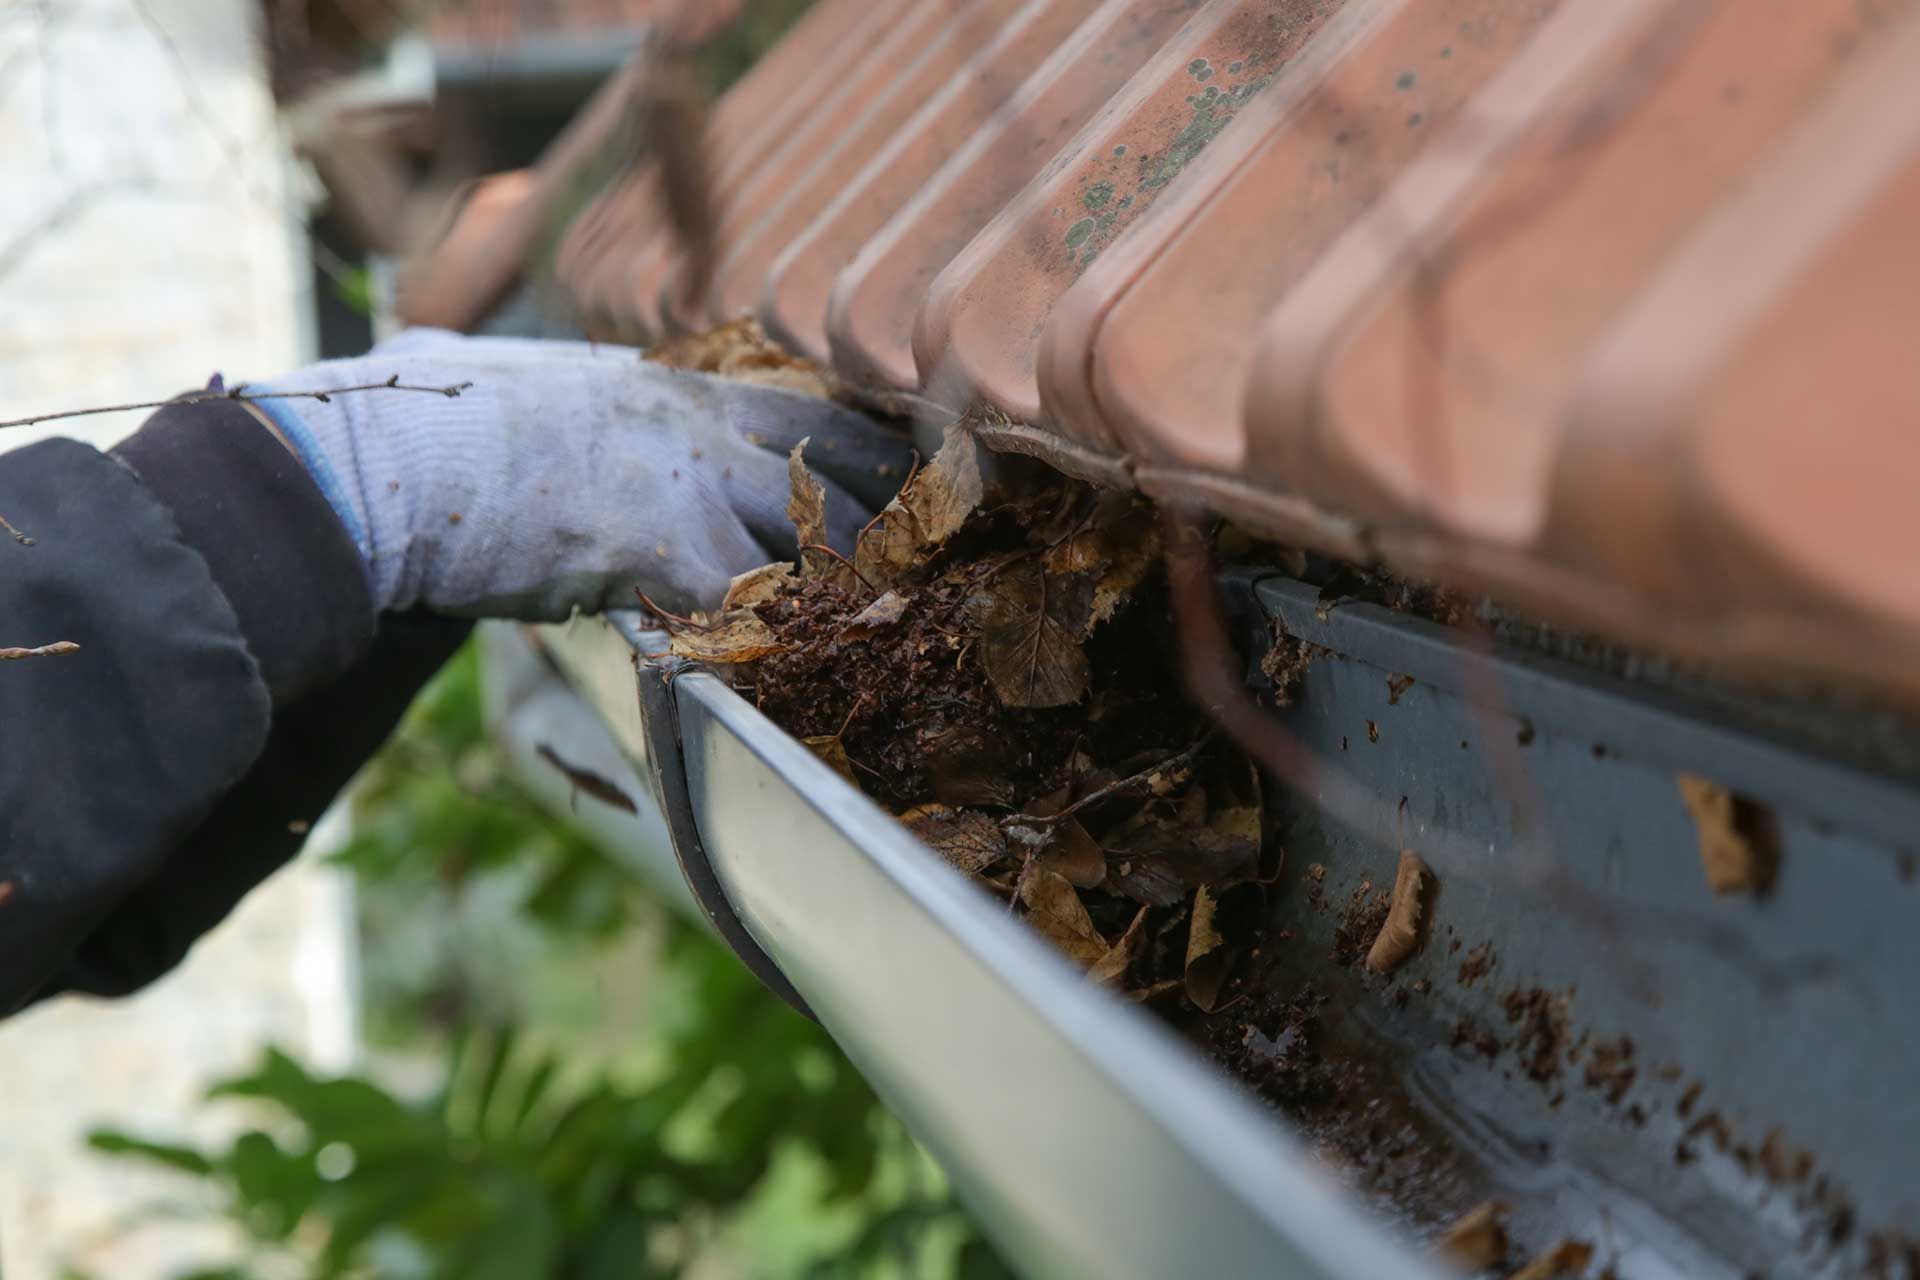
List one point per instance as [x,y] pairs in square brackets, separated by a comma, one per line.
[740,349]
[1207,956]
[1075,854]
[1118,553]
[597,785]
[888,609]
[1737,844]
[965,766]
[1110,969]
[1399,936]
[1030,627]
[1055,909]
[758,586]
[739,636]
[1478,1240]
[970,841]
[1160,862]
[1568,1258]
[923,515]
[807,508]
[829,748]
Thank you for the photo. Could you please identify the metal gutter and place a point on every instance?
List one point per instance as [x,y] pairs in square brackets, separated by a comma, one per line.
[1080,1131]
[1087,1139]
[1722,1082]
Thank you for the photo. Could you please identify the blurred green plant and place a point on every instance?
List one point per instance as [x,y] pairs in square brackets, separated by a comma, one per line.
[728,1125]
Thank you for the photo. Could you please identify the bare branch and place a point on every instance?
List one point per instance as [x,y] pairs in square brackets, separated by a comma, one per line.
[14,533]
[240,392]
[1111,789]
[53,650]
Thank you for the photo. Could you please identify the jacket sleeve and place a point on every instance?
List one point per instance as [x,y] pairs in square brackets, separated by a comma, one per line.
[150,777]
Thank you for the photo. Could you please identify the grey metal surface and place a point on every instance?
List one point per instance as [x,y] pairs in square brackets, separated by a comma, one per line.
[528,703]
[1090,1142]
[1544,798]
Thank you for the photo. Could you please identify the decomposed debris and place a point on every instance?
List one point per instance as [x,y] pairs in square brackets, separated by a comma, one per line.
[1568,1258]
[1478,1240]
[1737,847]
[1399,937]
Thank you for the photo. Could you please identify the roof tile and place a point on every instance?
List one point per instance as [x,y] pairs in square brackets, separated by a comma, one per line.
[870,313]
[980,328]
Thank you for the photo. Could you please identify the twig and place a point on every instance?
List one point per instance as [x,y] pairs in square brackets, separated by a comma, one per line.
[14,533]
[240,392]
[1112,788]
[53,650]
[666,615]
[827,550]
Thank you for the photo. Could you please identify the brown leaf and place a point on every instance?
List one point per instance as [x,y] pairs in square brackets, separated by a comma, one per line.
[1159,862]
[1738,845]
[1568,1258]
[1118,552]
[1111,969]
[758,586]
[1207,955]
[807,508]
[969,840]
[1074,854]
[1030,627]
[965,766]
[830,748]
[739,636]
[888,609]
[1478,1240]
[1055,909]
[1399,935]
[740,349]
[924,514]
[597,785]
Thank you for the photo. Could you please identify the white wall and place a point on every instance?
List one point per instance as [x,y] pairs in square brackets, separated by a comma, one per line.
[146,240]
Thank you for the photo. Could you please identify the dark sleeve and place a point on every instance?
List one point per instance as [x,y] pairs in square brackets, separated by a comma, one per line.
[316,746]
[205,581]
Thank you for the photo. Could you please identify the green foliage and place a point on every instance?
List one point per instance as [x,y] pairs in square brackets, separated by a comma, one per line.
[729,1125]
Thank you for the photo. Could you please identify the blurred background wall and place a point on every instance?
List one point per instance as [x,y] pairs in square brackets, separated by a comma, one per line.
[150,234]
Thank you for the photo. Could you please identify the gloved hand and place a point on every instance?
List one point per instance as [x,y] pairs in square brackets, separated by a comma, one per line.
[568,473]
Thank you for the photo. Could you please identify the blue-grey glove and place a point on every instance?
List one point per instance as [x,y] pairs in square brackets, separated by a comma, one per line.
[568,473]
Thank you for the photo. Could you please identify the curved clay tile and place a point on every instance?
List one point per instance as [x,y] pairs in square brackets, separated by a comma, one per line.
[793,303]
[1153,346]
[871,310]
[981,325]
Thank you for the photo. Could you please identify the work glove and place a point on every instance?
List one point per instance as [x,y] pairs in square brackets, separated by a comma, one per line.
[565,474]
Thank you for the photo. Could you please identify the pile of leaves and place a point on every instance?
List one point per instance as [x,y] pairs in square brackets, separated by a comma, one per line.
[993,663]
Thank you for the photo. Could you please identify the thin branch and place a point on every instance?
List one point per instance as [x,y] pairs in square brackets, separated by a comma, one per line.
[667,615]
[827,550]
[14,533]
[240,392]
[1111,789]
[53,650]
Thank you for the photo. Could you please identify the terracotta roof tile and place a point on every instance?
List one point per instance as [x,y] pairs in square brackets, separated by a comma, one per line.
[871,313]
[980,329]
[1603,306]
[850,211]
